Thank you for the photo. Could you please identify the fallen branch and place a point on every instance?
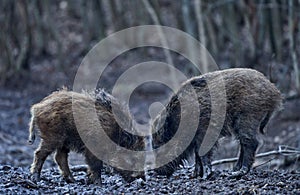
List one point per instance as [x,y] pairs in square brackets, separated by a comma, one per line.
[282,150]
[75,168]
[254,167]
[78,168]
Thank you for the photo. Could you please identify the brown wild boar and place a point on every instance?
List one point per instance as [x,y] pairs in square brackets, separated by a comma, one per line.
[53,116]
[251,99]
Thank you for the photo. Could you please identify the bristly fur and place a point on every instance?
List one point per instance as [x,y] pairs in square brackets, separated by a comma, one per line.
[53,116]
[251,101]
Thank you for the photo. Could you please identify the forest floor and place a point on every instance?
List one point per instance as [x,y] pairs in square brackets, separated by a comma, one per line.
[279,176]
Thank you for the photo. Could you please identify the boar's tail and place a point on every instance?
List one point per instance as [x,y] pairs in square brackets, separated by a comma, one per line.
[32,130]
[278,107]
[264,122]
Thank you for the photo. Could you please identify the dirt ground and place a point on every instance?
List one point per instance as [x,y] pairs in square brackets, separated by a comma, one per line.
[15,181]
[281,175]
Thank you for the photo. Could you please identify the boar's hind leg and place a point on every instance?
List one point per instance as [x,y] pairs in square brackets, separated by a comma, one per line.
[40,155]
[248,144]
[61,158]
[95,166]
[239,163]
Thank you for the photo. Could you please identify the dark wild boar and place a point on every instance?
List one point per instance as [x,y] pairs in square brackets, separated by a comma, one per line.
[53,116]
[251,99]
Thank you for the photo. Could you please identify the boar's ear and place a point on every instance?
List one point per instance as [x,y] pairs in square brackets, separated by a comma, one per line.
[198,82]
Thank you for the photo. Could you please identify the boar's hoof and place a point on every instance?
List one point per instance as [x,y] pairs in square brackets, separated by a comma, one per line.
[69,179]
[236,168]
[94,180]
[197,174]
[128,179]
[210,175]
[236,174]
[35,177]
[143,177]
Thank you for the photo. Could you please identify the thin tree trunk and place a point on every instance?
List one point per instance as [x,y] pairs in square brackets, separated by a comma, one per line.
[292,45]
[188,28]
[161,34]
[201,34]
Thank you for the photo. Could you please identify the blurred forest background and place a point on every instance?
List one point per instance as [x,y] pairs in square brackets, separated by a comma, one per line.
[53,35]
[43,42]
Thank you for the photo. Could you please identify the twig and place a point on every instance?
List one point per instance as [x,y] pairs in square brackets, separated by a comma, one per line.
[223,161]
[78,168]
[75,168]
[282,150]
[292,97]
[254,167]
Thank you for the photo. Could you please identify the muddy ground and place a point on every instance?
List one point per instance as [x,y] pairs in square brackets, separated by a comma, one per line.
[15,181]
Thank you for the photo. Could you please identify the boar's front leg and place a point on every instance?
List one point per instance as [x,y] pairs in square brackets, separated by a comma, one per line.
[40,155]
[206,160]
[95,167]
[203,167]
[61,158]
[198,165]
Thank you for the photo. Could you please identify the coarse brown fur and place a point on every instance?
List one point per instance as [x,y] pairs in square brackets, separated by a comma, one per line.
[53,116]
[251,99]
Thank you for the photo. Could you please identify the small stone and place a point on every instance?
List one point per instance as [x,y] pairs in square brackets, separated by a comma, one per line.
[119,183]
[5,167]
[281,184]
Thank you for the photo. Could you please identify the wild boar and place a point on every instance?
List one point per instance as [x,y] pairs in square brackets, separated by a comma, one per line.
[53,116]
[251,99]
